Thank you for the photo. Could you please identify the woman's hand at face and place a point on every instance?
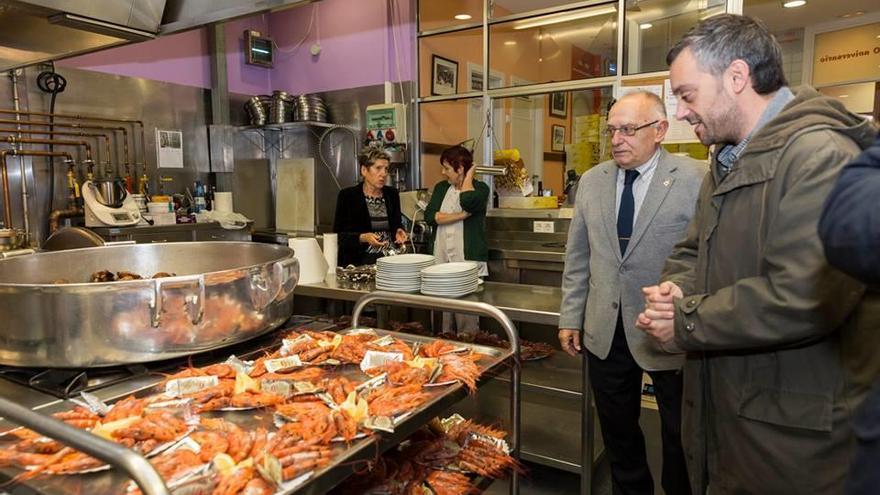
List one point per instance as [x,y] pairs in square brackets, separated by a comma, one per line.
[372,239]
[467,184]
[400,236]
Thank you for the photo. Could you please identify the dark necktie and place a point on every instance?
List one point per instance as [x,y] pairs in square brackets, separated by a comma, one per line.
[627,210]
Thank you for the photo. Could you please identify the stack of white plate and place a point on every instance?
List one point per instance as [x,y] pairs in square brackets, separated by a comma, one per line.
[451,279]
[402,272]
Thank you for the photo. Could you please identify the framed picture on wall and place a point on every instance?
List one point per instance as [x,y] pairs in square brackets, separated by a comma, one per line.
[557,138]
[444,76]
[559,104]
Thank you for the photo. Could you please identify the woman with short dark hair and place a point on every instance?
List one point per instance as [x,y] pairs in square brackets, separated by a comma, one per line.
[368,215]
[458,211]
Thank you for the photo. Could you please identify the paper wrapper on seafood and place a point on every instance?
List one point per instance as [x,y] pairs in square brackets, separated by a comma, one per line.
[373,359]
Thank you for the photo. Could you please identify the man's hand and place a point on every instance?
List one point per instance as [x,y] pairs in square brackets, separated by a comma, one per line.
[658,318]
[570,340]
[661,330]
[659,299]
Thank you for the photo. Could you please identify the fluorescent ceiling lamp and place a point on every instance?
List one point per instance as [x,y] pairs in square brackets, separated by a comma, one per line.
[510,42]
[843,96]
[790,4]
[646,25]
[563,17]
[463,17]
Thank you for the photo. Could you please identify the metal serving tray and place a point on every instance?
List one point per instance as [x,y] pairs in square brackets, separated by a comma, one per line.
[346,456]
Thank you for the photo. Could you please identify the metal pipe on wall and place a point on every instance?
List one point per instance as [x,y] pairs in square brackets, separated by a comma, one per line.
[97,118]
[96,137]
[57,142]
[4,154]
[16,102]
[123,130]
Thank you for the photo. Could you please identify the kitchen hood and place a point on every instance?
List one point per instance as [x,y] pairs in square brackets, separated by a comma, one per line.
[39,30]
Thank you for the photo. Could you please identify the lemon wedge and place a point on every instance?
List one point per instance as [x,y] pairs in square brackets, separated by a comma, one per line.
[243,383]
[355,407]
[106,430]
[223,463]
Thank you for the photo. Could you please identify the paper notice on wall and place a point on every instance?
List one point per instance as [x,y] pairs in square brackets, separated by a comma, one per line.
[169,149]
[679,130]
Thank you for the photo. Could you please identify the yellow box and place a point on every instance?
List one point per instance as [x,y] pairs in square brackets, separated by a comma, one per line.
[531,202]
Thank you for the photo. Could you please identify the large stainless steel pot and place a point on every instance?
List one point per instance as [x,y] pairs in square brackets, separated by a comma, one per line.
[223,292]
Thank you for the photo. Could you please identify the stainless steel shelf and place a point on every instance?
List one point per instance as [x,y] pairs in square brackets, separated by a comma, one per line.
[559,374]
[290,125]
[524,303]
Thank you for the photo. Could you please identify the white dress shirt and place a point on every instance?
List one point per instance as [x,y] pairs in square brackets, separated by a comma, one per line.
[640,185]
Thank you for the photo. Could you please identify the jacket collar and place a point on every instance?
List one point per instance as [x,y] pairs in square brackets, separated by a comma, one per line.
[809,110]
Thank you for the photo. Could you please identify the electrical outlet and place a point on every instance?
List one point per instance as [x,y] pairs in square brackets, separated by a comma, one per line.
[543,227]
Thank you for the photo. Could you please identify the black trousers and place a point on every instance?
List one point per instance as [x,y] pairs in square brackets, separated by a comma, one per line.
[617,382]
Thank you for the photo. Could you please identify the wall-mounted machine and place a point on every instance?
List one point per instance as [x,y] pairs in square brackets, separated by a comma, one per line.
[258,49]
[108,204]
[386,126]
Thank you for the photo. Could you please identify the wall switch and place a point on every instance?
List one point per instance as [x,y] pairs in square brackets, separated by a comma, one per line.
[543,227]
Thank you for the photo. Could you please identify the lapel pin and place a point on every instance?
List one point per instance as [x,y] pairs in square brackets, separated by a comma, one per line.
[667,182]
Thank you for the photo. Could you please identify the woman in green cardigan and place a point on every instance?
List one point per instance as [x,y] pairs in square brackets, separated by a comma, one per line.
[458,211]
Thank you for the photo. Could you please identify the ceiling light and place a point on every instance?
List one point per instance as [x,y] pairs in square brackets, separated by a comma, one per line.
[851,14]
[510,43]
[843,96]
[563,17]
[646,25]
[790,4]
[463,17]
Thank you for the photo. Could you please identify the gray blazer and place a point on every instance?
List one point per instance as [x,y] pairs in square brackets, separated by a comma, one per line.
[598,278]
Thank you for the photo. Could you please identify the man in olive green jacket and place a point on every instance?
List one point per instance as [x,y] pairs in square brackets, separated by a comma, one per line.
[781,347]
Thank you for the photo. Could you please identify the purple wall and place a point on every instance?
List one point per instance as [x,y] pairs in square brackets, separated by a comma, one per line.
[356,50]
[356,46]
[180,58]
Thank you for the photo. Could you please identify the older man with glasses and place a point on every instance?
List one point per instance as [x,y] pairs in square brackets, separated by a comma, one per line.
[629,213]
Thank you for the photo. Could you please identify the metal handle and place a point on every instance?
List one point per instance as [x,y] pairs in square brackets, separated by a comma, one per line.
[137,468]
[286,283]
[16,252]
[478,308]
[195,303]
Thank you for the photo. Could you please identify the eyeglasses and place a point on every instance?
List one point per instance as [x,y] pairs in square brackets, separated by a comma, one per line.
[627,130]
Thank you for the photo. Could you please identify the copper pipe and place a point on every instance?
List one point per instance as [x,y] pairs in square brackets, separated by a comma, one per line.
[56,142]
[124,131]
[98,118]
[7,204]
[72,209]
[96,137]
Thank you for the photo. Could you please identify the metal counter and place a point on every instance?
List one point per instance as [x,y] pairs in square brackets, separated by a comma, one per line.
[180,232]
[526,303]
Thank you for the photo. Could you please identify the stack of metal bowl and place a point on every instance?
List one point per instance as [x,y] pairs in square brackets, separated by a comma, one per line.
[257,108]
[282,107]
[310,108]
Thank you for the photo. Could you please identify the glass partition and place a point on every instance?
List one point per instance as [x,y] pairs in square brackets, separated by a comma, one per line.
[440,14]
[654,26]
[444,124]
[552,133]
[502,8]
[570,45]
[444,60]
